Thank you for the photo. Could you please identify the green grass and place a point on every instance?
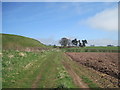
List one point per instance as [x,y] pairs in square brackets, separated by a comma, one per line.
[10,41]
[103,47]
[20,70]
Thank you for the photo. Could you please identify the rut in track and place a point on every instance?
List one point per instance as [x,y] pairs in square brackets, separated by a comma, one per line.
[77,80]
[35,83]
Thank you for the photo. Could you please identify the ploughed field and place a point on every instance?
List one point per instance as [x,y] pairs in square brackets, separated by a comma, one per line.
[103,62]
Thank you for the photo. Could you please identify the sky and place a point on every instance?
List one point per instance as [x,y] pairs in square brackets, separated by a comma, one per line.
[48,22]
[60,0]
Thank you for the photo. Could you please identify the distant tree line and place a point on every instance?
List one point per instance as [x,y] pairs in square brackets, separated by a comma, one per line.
[74,42]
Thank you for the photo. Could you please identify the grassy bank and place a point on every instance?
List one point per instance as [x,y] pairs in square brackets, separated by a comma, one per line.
[10,41]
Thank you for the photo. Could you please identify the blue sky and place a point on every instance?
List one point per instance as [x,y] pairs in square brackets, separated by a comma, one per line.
[50,21]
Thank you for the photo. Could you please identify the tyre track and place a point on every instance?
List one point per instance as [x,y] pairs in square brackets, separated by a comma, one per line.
[77,80]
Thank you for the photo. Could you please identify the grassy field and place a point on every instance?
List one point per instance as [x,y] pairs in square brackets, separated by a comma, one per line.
[91,49]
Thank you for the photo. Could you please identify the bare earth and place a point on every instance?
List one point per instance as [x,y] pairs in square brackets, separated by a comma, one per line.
[104,62]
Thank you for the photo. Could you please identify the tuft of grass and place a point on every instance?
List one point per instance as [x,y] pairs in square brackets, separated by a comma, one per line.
[89,82]
[64,80]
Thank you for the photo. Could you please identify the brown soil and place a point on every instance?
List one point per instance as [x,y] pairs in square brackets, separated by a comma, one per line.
[104,62]
[77,80]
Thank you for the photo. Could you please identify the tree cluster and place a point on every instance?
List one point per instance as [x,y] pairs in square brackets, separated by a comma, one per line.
[75,42]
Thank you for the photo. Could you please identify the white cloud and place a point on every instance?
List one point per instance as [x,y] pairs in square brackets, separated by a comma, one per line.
[49,41]
[102,42]
[105,20]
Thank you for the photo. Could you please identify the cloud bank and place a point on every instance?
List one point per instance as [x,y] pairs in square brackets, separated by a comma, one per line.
[102,42]
[49,41]
[105,20]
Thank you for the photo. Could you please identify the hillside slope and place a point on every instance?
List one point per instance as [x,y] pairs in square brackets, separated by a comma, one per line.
[10,41]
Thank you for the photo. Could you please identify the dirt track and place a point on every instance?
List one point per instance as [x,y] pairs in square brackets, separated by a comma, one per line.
[104,62]
[77,80]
